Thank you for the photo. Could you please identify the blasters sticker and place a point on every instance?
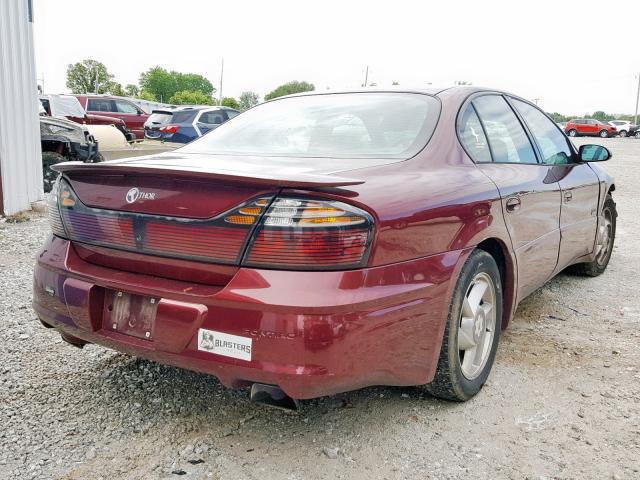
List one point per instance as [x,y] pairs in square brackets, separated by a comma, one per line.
[224,344]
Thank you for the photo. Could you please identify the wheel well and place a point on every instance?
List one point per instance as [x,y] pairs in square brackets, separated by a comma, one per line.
[496,249]
[612,188]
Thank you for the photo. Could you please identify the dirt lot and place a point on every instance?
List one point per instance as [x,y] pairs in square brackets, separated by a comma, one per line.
[563,400]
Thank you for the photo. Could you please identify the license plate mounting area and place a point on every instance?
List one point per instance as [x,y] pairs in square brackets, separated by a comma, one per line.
[130,314]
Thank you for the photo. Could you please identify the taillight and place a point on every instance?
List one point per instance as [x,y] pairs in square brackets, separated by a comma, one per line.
[306,234]
[170,128]
[285,232]
[53,211]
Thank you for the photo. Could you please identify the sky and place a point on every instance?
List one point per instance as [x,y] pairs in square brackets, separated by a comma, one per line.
[573,57]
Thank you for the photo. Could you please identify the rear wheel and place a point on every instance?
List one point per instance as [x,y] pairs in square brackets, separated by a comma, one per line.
[623,133]
[48,175]
[603,134]
[472,331]
[606,236]
[573,132]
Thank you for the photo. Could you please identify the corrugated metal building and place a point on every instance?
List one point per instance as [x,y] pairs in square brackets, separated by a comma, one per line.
[20,155]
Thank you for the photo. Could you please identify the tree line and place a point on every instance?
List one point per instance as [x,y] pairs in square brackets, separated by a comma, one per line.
[598,115]
[161,85]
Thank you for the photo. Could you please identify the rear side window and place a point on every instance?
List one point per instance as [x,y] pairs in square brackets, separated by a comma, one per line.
[100,105]
[552,142]
[232,113]
[212,118]
[508,140]
[472,136]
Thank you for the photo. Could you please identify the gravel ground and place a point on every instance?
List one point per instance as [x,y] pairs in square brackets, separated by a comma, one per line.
[563,400]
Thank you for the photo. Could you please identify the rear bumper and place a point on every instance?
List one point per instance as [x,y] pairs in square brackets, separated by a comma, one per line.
[313,333]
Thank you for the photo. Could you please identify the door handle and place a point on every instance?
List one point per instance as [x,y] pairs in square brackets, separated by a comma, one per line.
[513,204]
[568,196]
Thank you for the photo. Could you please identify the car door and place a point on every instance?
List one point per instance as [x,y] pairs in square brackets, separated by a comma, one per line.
[132,115]
[579,185]
[529,191]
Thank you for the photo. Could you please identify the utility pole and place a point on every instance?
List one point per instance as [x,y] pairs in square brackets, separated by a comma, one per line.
[97,71]
[366,76]
[635,117]
[221,74]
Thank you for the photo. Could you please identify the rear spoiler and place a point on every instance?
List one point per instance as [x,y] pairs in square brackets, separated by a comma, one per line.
[293,179]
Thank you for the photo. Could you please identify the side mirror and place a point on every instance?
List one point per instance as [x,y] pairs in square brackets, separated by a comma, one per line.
[593,153]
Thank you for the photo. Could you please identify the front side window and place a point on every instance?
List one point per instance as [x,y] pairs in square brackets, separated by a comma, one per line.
[125,107]
[472,136]
[508,140]
[349,125]
[552,142]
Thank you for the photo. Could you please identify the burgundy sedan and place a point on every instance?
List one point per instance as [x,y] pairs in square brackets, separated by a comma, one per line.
[322,243]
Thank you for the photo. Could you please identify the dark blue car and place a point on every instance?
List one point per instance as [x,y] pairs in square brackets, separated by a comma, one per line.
[183,124]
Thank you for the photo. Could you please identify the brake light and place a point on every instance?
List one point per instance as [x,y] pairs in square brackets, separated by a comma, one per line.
[170,128]
[304,234]
[285,232]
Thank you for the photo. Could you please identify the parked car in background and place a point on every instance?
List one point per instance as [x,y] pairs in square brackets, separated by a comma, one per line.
[118,107]
[589,127]
[62,141]
[325,242]
[625,128]
[184,124]
[68,106]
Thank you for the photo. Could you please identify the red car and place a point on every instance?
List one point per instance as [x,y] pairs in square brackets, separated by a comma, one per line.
[322,243]
[133,116]
[588,126]
[67,106]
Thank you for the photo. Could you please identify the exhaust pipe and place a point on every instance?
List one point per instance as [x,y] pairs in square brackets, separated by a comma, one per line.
[273,396]
[71,340]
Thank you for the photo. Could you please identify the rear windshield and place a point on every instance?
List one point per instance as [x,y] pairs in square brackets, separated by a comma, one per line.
[161,118]
[350,125]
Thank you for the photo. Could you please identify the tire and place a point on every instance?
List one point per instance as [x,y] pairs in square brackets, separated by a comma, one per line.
[453,380]
[603,134]
[637,134]
[573,132]
[48,175]
[606,236]
[622,133]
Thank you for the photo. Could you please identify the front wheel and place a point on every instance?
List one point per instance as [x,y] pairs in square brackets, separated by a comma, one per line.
[637,134]
[604,134]
[573,132]
[623,133]
[472,331]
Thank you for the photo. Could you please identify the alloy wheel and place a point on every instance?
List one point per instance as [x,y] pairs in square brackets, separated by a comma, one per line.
[605,230]
[477,325]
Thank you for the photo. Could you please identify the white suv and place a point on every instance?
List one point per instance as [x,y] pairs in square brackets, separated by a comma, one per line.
[624,127]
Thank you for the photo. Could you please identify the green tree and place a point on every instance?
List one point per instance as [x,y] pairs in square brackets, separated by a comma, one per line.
[290,88]
[230,102]
[159,82]
[602,116]
[558,117]
[164,84]
[131,90]
[116,89]
[82,77]
[146,95]
[190,97]
[248,100]
[193,82]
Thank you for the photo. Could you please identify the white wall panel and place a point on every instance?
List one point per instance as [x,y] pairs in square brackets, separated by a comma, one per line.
[20,155]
